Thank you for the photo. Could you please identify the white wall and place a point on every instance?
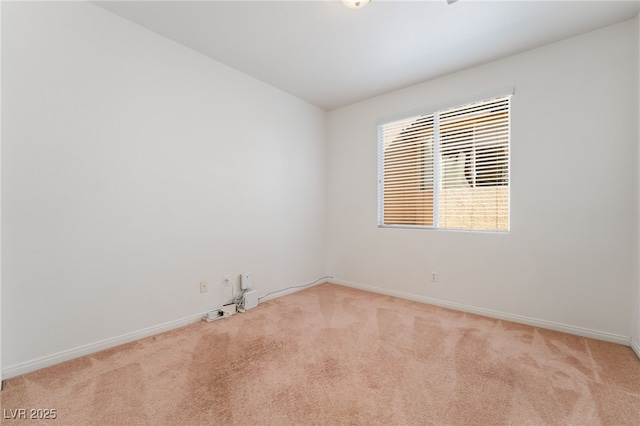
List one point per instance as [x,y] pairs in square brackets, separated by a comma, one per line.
[635,337]
[132,169]
[1,375]
[569,260]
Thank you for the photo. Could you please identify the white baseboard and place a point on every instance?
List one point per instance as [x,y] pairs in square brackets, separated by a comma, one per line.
[49,360]
[635,346]
[594,334]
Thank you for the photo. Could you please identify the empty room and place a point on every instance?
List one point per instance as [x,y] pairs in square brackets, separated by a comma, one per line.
[321,212]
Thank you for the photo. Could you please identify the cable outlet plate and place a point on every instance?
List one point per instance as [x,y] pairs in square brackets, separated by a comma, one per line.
[204,287]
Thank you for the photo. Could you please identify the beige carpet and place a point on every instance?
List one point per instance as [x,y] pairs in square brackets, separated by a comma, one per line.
[335,355]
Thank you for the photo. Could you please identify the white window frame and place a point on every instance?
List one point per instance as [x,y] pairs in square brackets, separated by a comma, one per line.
[435,109]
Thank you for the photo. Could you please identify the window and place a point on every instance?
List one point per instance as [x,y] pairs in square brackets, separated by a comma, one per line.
[447,168]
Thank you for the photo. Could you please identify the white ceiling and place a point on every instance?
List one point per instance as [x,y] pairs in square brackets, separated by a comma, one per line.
[332,56]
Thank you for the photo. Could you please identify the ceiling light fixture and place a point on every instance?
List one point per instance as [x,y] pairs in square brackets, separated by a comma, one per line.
[355,4]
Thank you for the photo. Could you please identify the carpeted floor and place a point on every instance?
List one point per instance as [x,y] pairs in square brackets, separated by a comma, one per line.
[335,355]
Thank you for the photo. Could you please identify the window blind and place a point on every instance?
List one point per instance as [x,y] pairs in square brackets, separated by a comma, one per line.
[447,169]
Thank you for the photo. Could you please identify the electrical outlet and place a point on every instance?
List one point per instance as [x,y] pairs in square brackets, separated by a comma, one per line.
[203,287]
[226,281]
[434,276]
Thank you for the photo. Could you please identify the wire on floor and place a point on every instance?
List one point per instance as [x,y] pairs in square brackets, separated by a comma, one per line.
[295,286]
